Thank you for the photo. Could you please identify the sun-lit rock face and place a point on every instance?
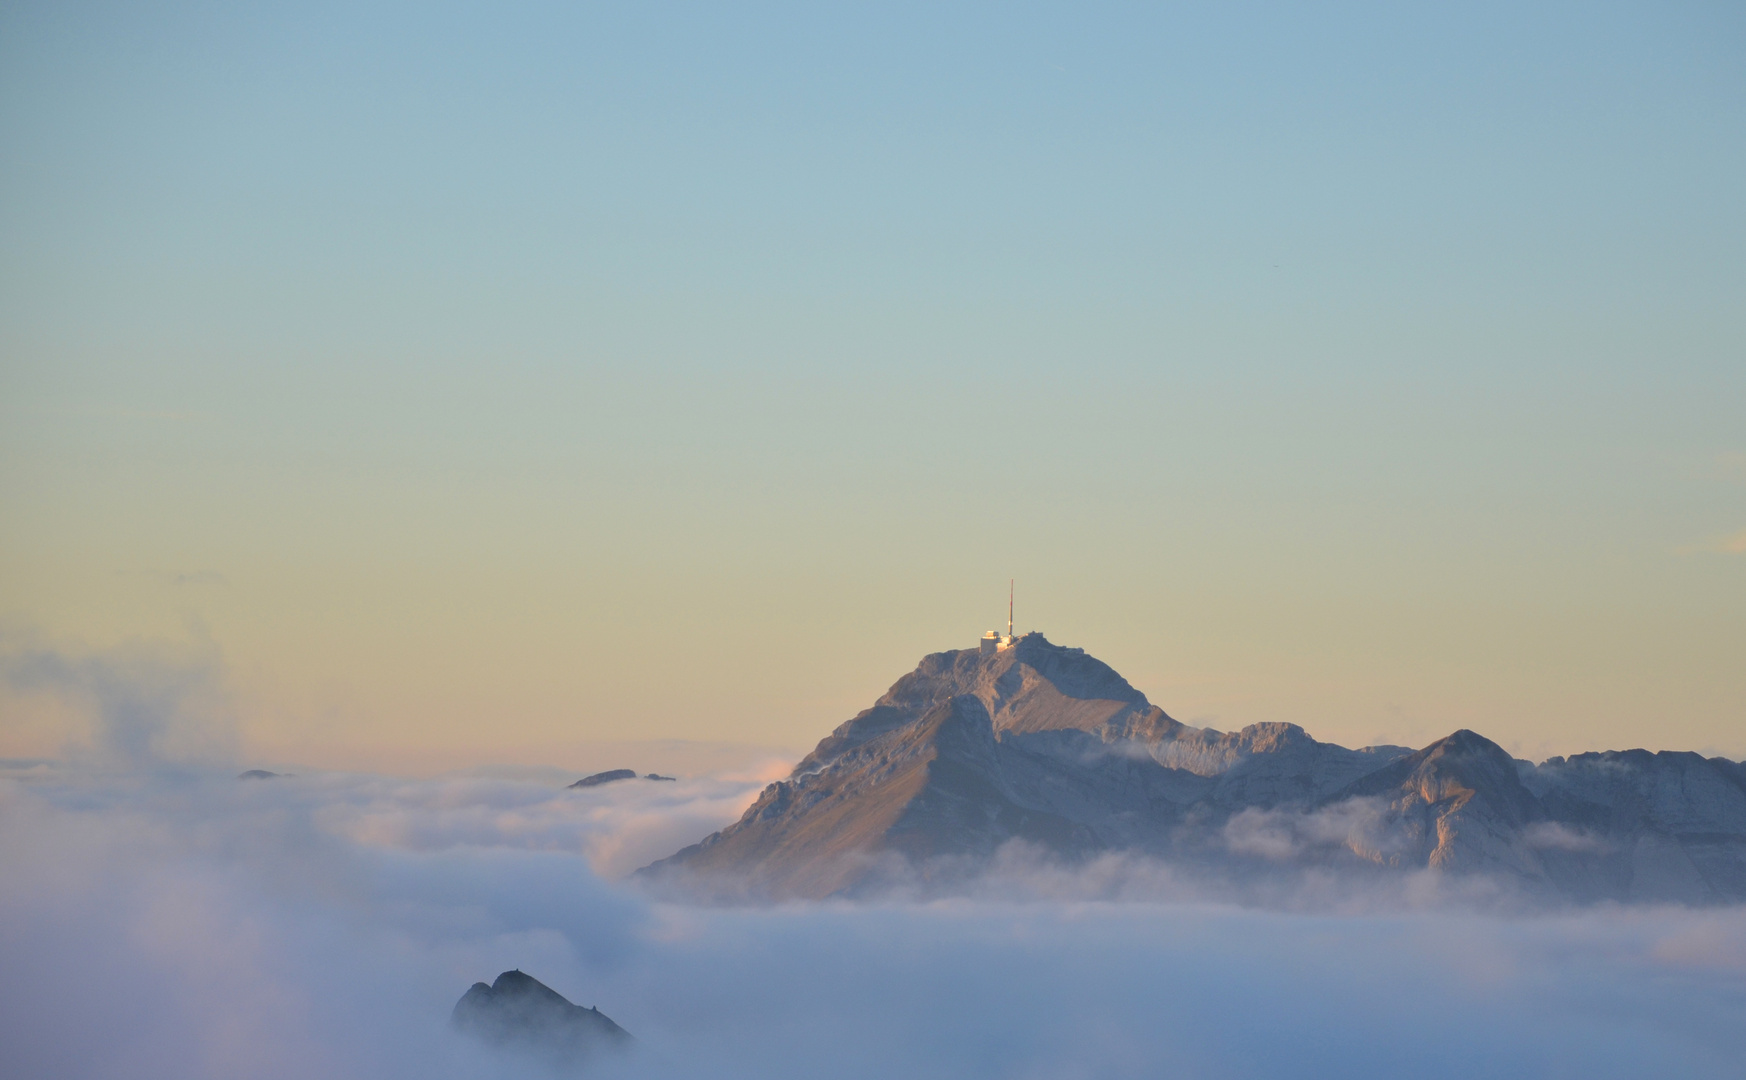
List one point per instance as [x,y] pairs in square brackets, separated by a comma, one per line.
[1051,747]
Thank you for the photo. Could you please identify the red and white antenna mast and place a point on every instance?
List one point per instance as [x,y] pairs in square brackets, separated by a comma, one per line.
[1009,582]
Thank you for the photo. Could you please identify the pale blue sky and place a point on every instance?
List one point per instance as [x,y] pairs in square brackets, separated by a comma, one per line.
[514,376]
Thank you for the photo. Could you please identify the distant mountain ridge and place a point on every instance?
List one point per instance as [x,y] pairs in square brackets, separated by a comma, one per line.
[614,775]
[1051,747]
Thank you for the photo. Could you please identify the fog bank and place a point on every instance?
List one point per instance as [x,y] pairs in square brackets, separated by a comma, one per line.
[193,925]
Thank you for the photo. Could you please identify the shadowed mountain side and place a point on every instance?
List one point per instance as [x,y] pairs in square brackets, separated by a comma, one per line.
[520,1012]
[933,787]
[1645,826]
[1630,826]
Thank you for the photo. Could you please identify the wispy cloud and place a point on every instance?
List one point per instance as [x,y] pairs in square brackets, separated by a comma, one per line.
[1550,835]
[1731,544]
[179,578]
[199,577]
[107,411]
[147,705]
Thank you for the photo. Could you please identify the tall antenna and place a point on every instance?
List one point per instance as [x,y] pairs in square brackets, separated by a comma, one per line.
[1009,582]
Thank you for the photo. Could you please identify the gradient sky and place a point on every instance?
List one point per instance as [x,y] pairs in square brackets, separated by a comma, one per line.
[467,384]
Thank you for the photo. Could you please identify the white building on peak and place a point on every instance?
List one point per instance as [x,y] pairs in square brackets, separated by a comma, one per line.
[992,642]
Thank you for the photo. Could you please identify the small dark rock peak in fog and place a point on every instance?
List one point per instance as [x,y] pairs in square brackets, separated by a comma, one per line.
[1023,741]
[260,774]
[610,775]
[521,1013]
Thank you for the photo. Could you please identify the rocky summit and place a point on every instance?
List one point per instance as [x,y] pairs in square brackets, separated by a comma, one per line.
[519,1012]
[1049,750]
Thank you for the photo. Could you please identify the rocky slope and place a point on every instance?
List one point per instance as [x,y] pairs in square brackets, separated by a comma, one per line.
[1050,747]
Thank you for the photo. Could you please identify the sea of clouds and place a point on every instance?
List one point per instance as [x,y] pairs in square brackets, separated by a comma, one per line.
[161,918]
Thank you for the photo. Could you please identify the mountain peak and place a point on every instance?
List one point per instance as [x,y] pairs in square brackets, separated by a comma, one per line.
[1033,685]
[519,1011]
[1464,762]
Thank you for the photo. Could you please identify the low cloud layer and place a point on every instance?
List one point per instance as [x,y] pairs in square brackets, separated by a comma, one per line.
[194,925]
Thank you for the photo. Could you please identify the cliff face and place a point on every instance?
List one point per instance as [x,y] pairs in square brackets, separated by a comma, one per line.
[1051,746]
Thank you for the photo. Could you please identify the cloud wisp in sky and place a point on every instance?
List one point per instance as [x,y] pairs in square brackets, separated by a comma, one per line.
[143,704]
[1728,544]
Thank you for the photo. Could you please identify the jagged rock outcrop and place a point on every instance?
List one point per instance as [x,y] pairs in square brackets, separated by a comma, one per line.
[1049,746]
[521,1013]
